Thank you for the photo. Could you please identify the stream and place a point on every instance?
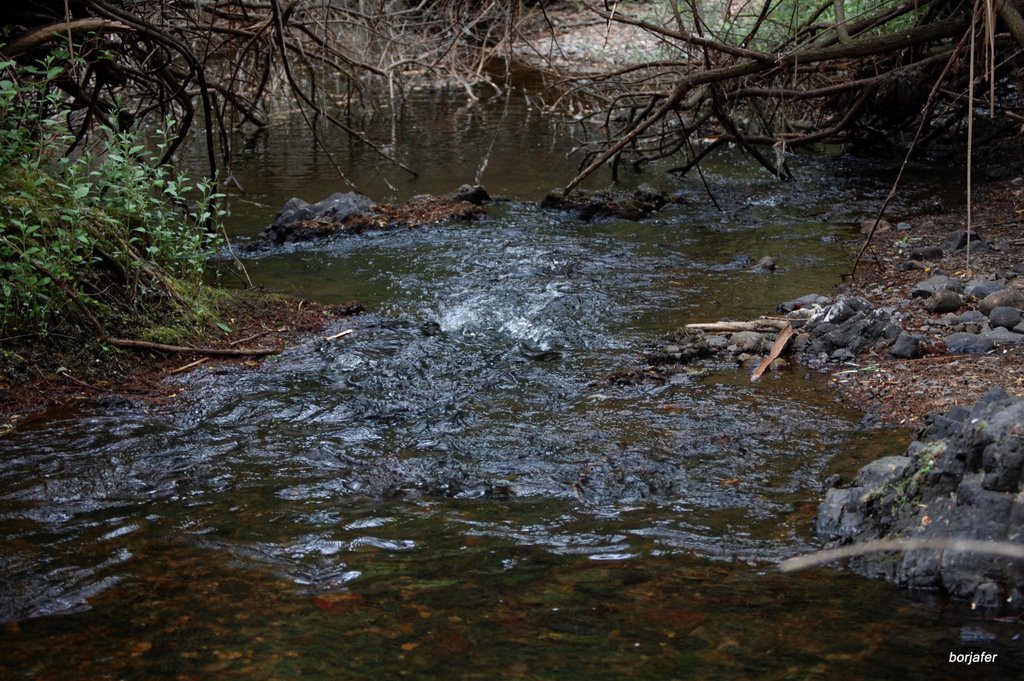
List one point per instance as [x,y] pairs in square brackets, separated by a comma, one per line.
[452,490]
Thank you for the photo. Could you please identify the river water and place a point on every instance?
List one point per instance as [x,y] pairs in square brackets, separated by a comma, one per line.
[453,490]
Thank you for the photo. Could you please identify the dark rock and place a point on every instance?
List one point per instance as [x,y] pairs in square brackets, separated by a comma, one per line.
[979,290]
[682,347]
[960,479]
[589,205]
[912,265]
[1004,316]
[842,355]
[298,220]
[1018,268]
[906,346]
[717,343]
[809,300]
[845,308]
[746,341]
[473,193]
[925,253]
[849,324]
[932,285]
[1006,297]
[903,227]
[1001,336]
[765,264]
[959,240]
[970,343]
[943,301]
[972,317]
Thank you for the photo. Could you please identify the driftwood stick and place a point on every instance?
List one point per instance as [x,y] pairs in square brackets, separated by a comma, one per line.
[184,350]
[339,335]
[190,365]
[731,327]
[780,344]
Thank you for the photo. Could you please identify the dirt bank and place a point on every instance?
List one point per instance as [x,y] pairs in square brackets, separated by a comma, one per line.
[36,376]
[902,391]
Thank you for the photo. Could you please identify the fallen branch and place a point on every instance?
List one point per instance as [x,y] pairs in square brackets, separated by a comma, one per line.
[184,350]
[763,324]
[780,344]
[339,335]
[190,365]
[991,548]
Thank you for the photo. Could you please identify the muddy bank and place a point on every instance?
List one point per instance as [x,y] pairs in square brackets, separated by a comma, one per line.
[55,374]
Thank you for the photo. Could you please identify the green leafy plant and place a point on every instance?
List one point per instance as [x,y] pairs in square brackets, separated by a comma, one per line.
[109,229]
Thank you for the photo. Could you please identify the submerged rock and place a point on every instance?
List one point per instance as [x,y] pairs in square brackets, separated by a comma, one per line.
[589,205]
[959,479]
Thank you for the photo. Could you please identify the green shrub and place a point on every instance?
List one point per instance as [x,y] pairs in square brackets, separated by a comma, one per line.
[109,228]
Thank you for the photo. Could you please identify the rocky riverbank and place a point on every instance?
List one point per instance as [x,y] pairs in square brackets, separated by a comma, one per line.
[959,479]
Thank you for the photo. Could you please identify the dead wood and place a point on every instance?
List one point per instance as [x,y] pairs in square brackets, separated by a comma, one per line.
[763,324]
[185,350]
[830,79]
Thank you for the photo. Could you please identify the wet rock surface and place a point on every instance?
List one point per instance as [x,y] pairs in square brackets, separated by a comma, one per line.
[350,213]
[959,479]
[590,205]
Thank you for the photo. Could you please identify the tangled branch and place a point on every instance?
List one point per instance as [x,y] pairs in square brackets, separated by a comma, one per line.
[768,79]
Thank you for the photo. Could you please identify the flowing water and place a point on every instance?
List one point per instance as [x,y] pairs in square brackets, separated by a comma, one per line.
[452,490]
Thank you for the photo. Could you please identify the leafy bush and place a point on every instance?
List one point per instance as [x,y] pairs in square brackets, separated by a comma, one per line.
[108,230]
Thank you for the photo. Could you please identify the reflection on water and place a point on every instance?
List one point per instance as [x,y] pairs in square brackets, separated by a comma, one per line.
[451,491]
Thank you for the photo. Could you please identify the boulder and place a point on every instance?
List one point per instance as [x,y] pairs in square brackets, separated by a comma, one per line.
[925,253]
[980,289]
[809,300]
[959,479]
[967,343]
[932,285]
[746,341]
[1001,336]
[851,325]
[907,346]
[1004,316]
[1005,297]
[959,241]
[473,193]
[298,220]
[943,301]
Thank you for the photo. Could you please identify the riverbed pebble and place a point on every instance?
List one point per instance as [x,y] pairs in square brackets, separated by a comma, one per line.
[1006,297]
[943,301]
[967,343]
[936,283]
[1004,316]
